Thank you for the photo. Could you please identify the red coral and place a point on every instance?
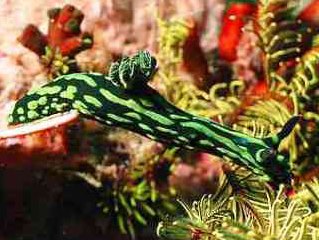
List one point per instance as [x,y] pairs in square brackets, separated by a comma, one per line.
[193,181]
[311,13]
[31,142]
[33,39]
[64,33]
[233,21]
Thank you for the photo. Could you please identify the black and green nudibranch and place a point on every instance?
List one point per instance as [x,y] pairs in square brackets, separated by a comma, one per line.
[123,99]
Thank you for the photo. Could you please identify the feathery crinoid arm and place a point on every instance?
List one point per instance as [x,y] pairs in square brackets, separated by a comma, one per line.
[124,99]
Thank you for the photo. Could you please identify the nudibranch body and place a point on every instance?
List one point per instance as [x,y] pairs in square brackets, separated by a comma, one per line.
[123,99]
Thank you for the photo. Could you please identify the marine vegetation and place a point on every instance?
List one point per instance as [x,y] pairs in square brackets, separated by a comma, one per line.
[286,86]
[213,217]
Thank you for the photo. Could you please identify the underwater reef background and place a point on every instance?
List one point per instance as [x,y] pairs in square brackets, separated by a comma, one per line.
[248,65]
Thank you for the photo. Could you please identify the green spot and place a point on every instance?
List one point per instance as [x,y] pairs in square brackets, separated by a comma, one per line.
[93,101]
[69,93]
[188,147]
[118,118]
[20,110]
[133,115]
[146,103]
[243,148]
[22,118]
[60,107]
[55,99]
[166,130]
[81,107]
[150,136]
[32,105]
[145,127]
[88,80]
[206,142]
[66,94]
[49,90]
[33,114]
[174,116]
[184,139]
[43,100]
[53,105]
[103,120]
[228,153]
[193,136]
[275,139]
[10,118]
[96,74]
[72,89]
[45,112]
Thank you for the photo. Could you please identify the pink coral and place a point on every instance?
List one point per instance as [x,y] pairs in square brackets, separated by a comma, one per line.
[193,181]
[248,62]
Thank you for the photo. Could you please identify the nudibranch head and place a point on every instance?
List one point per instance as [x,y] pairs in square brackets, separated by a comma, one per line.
[278,170]
[132,72]
[277,165]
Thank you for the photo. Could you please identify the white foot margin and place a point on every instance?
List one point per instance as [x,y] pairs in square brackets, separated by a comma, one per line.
[40,125]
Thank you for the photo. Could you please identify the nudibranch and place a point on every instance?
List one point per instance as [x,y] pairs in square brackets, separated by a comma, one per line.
[123,99]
